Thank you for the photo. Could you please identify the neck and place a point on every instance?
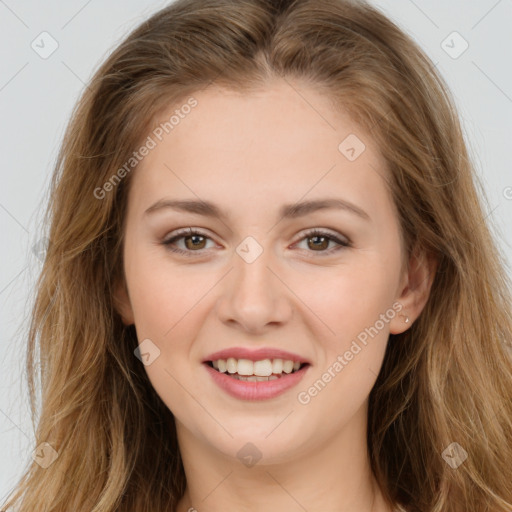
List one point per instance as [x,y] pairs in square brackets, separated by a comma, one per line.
[330,474]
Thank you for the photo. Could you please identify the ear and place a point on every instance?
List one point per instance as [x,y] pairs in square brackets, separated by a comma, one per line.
[122,303]
[414,289]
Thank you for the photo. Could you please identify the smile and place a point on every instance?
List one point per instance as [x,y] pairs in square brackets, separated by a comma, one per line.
[256,371]
[242,378]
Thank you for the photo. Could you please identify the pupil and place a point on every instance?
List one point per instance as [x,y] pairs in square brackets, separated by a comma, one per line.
[317,238]
[194,238]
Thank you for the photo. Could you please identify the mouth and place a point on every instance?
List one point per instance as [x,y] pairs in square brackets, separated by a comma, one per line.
[262,370]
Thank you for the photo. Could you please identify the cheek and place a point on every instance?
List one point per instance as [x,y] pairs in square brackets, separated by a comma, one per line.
[352,298]
[163,295]
[349,364]
[167,306]
[356,304]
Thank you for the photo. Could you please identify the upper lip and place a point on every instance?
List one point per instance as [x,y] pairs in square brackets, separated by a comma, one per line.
[255,354]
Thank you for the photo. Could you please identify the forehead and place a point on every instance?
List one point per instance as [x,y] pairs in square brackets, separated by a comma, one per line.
[283,141]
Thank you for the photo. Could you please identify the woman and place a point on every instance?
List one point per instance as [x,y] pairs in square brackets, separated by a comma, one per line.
[270,283]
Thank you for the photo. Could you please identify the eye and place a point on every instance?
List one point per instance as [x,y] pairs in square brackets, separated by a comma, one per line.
[319,240]
[194,241]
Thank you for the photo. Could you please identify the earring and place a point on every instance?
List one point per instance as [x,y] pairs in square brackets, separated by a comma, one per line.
[406,320]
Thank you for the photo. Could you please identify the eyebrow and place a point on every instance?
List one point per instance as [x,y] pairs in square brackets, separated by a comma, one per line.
[287,211]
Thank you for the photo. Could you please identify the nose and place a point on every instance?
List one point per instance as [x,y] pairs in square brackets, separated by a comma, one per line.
[254,296]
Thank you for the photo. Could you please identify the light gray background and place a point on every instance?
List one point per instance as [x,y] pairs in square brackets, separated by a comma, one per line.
[37,95]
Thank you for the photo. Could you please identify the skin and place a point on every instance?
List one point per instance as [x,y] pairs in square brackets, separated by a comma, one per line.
[249,154]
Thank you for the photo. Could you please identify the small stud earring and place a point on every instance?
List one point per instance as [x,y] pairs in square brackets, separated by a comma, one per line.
[406,320]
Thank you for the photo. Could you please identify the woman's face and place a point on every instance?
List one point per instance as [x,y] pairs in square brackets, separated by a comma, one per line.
[254,282]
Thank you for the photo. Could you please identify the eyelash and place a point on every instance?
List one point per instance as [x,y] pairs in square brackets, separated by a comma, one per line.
[188,232]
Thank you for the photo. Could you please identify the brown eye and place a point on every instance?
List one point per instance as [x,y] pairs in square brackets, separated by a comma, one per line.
[194,241]
[319,242]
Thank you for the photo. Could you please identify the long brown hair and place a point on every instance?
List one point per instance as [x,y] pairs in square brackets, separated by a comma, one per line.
[447,379]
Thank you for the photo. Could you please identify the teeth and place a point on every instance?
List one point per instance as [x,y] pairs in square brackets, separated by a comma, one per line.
[277,366]
[245,367]
[254,378]
[232,365]
[287,366]
[261,368]
[257,371]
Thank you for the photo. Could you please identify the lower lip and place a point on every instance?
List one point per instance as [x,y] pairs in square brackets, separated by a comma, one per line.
[264,390]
